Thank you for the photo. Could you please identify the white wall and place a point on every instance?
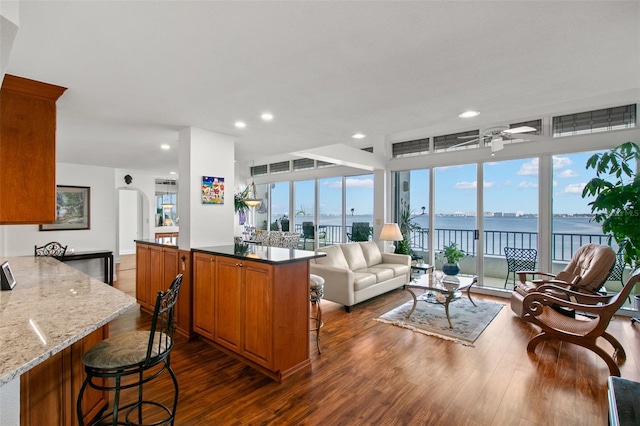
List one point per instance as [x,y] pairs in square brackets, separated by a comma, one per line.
[128,220]
[144,185]
[204,153]
[19,240]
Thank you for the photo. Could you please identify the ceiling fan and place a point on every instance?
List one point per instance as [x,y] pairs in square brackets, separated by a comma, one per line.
[497,136]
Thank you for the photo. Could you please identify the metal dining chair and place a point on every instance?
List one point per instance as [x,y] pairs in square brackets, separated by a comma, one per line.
[519,259]
[53,249]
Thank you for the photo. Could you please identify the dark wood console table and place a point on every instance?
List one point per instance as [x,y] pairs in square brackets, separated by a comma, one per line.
[107,255]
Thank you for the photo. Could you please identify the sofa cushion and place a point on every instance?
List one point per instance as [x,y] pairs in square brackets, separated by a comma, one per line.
[371,253]
[398,268]
[334,257]
[382,274]
[363,280]
[353,254]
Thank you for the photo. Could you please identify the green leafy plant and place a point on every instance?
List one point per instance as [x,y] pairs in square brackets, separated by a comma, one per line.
[238,200]
[616,206]
[452,253]
[406,225]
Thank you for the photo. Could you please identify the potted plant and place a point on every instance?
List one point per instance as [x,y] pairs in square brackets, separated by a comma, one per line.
[452,254]
[240,206]
[406,225]
[616,206]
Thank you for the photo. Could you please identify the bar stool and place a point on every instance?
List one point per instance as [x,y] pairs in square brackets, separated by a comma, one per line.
[133,354]
[316,292]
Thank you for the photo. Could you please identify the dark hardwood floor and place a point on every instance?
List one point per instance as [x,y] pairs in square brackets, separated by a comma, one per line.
[372,373]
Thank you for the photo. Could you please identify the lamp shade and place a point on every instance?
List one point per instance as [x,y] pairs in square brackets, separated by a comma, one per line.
[252,199]
[390,232]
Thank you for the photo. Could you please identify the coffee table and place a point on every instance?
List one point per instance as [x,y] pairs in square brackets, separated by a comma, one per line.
[449,289]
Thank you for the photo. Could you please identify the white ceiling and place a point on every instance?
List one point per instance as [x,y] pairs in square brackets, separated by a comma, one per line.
[138,72]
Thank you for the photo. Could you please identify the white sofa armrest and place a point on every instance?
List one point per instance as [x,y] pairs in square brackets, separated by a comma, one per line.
[396,258]
[338,283]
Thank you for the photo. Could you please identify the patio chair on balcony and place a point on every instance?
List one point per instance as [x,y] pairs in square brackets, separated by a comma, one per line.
[539,309]
[586,273]
[360,231]
[519,259]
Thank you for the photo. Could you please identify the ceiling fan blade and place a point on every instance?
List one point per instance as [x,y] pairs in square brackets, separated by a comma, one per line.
[521,129]
[465,143]
[469,137]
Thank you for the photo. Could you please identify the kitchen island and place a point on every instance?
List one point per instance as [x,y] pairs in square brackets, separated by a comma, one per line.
[46,322]
[252,302]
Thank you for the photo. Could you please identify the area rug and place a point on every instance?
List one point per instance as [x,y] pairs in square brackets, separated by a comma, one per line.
[429,318]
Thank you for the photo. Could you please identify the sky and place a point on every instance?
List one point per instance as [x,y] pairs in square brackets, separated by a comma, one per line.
[509,186]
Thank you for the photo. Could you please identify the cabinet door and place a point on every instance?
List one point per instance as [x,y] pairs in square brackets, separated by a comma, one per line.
[156,274]
[204,275]
[28,151]
[170,265]
[42,393]
[93,400]
[49,391]
[227,303]
[257,301]
[142,275]
[183,310]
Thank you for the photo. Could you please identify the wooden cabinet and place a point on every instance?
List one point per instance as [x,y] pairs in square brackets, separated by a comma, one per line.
[49,391]
[204,276]
[28,151]
[242,309]
[143,279]
[156,267]
[256,311]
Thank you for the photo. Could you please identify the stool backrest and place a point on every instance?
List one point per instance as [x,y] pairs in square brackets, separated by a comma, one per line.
[162,323]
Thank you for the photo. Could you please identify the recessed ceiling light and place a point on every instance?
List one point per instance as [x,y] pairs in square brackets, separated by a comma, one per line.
[267,116]
[468,114]
[240,124]
[165,146]
[358,136]
[173,173]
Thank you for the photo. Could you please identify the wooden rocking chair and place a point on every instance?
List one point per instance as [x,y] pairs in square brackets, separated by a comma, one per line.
[537,308]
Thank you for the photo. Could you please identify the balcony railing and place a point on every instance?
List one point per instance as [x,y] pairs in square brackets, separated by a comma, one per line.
[563,245]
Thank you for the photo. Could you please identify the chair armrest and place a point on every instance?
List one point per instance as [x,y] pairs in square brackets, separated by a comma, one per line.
[403,259]
[546,274]
[535,301]
[580,297]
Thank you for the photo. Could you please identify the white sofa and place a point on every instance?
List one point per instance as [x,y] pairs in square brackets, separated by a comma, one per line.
[355,272]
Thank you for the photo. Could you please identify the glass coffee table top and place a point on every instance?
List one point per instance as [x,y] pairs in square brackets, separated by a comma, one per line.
[443,290]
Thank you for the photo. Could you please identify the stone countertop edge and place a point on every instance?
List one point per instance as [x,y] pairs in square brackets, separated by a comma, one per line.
[258,253]
[52,306]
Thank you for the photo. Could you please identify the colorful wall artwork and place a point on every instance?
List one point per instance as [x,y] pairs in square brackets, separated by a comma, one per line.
[212,190]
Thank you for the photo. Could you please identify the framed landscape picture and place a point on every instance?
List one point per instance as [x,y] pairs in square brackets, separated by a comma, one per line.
[72,209]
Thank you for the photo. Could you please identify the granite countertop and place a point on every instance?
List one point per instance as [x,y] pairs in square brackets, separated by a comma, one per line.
[258,253]
[51,307]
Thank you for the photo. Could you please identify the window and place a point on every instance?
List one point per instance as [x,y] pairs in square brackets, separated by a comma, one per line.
[602,120]
[259,170]
[281,167]
[359,199]
[303,164]
[445,142]
[409,148]
[322,164]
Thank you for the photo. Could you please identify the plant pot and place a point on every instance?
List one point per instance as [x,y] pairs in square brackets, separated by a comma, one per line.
[450,268]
